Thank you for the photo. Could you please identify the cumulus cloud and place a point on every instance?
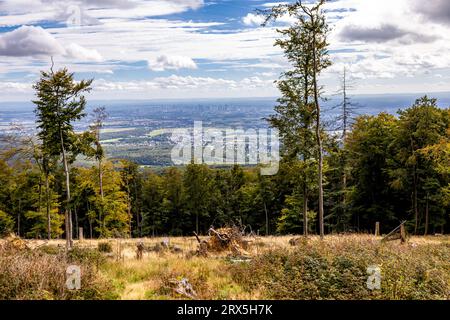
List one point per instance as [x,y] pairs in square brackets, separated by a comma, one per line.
[29,41]
[78,52]
[252,19]
[165,62]
[273,4]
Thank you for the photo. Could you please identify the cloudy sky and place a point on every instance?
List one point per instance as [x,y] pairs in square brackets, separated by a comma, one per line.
[153,49]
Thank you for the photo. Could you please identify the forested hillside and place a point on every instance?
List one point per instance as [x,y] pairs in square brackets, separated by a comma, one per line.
[394,167]
[333,178]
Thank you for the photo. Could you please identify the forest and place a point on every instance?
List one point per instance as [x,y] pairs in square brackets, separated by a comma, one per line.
[389,169]
[334,178]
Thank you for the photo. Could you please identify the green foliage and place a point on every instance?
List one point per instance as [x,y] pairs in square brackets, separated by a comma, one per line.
[198,187]
[369,154]
[6,223]
[395,168]
[59,103]
[105,247]
[109,217]
[290,220]
[39,223]
[338,270]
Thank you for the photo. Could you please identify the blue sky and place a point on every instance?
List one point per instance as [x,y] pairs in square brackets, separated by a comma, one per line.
[153,49]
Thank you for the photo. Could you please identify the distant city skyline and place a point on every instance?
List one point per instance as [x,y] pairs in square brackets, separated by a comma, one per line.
[178,49]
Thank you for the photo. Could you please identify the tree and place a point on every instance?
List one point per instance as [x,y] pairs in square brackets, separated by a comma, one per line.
[152,199]
[420,126]
[132,185]
[373,196]
[339,154]
[266,196]
[6,223]
[100,116]
[306,49]
[346,106]
[198,190]
[439,154]
[60,102]
[173,202]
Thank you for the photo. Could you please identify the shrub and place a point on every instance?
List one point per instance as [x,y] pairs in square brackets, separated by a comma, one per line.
[37,274]
[105,247]
[51,249]
[6,223]
[338,270]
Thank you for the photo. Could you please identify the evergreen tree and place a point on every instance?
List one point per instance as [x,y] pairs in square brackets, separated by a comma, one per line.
[306,49]
[60,102]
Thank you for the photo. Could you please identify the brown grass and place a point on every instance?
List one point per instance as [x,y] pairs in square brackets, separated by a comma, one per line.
[416,270]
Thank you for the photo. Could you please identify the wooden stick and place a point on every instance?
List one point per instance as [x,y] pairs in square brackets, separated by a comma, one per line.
[196,235]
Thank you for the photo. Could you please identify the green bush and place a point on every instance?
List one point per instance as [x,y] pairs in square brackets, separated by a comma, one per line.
[51,249]
[105,247]
[6,224]
[339,271]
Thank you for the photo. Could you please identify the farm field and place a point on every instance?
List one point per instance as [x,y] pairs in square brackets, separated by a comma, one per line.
[271,268]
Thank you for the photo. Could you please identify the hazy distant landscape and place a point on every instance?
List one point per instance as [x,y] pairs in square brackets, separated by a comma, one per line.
[225,150]
[141,130]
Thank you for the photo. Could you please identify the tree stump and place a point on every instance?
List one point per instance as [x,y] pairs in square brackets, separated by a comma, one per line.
[377,229]
[402,234]
[140,250]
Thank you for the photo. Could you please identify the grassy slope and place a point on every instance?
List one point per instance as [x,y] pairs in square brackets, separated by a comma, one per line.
[332,269]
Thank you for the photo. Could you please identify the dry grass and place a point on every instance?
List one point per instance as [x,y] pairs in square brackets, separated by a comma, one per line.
[419,269]
[40,274]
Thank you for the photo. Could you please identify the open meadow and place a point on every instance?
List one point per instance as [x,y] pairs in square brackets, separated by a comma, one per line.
[265,268]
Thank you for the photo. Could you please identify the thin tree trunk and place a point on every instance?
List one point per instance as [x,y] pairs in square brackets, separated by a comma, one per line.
[138,213]
[306,153]
[76,222]
[18,218]
[427,211]
[318,137]
[416,209]
[305,210]
[267,218]
[130,215]
[67,214]
[196,223]
[100,177]
[102,196]
[47,191]
[40,195]
[344,199]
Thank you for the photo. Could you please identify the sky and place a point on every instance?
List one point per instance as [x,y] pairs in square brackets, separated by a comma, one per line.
[186,49]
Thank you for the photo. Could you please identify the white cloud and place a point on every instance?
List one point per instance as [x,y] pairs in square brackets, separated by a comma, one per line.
[252,19]
[124,35]
[29,41]
[19,87]
[78,52]
[273,4]
[178,83]
[165,62]
[34,11]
